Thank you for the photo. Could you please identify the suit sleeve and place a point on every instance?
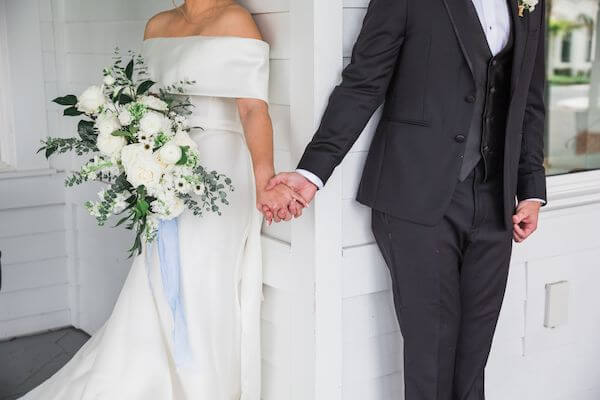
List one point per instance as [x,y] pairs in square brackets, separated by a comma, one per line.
[532,174]
[362,90]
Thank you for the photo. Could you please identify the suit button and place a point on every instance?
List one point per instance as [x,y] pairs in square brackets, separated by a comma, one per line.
[459,138]
[493,90]
[494,63]
[486,149]
[470,99]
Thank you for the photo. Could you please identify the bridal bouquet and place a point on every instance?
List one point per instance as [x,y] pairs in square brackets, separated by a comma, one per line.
[141,150]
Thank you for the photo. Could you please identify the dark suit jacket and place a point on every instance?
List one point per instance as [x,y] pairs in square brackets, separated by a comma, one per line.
[412,54]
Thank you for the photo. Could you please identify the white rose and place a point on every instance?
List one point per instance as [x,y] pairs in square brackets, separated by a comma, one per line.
[125,117]
[109,144]
[107,123]
[152,123]
[91,100]
[170,153]
[167,126]
[141,166]
[182,138]
[109,80]
[154,103]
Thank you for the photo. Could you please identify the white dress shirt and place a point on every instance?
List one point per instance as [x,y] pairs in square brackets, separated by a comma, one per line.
[494,16]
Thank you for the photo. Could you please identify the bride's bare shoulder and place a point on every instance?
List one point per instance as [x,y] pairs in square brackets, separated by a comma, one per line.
[235,20]
[158,24]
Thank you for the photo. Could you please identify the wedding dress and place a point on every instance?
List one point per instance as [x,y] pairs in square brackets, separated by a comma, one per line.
[132,356]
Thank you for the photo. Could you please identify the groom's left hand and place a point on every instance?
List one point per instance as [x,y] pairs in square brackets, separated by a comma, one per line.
[525,220]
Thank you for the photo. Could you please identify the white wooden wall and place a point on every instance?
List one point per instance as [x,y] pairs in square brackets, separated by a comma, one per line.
[528,361]
[32,201]
[329,328]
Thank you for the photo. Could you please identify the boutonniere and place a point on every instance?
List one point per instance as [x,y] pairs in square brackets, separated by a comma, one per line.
[527,5]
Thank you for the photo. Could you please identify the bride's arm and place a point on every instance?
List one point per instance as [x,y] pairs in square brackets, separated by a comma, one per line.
[258,130]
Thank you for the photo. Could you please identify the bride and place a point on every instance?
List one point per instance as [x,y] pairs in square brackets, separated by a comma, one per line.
[136,355]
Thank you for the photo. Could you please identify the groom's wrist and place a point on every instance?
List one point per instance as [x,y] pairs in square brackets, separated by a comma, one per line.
[314,179]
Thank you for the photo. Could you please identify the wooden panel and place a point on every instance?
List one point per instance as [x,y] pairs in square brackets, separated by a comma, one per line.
[373,357]
[113,10]
[365,271]
[275,308]
[35,247]
[275,382]
[33,302]
[279,88]
[24,221]
[34,274]
[357,224]
[353,18]
[35,323]
[369,316]
[275,29]
[101,37]
[280,115]
[276,344]
[389,387]
[352,169]
[276,263]
[356,3]
[266,6]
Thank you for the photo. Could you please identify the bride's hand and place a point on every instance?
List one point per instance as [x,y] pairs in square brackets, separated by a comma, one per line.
[279,203]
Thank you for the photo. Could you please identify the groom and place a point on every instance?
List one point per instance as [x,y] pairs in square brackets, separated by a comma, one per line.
[461,137]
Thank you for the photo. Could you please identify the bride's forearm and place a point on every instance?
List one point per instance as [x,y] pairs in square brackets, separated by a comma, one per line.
[258,130]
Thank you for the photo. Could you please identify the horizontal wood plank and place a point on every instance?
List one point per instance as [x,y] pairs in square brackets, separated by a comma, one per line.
[30,248]
[35,274]
[31,220]
[365,271]
[35,323]
[31,302]
[369,316]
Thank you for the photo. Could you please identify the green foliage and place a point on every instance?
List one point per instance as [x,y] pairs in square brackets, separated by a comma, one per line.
[69,100]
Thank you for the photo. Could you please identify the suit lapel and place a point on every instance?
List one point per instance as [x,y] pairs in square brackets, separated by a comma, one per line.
[461,20]
[468,29]
[520,28]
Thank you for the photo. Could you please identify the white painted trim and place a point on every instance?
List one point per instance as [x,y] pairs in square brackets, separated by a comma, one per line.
[572,190]
[8,153]
[328,64]
[14,174]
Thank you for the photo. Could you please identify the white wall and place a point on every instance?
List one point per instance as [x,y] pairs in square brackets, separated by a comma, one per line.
[32,201]
[528,361]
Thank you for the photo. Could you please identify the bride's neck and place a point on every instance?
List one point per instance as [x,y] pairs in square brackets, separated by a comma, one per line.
[198,7]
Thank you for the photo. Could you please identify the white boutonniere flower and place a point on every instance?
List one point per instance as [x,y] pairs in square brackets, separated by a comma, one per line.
[527,5]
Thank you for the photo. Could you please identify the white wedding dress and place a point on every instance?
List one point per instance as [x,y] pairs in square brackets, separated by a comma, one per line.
[131,357]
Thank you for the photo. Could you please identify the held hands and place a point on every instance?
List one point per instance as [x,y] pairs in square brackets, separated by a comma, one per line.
[285,196]
[525,220]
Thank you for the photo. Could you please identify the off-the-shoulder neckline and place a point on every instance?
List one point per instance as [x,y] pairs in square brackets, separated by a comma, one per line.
[208,37]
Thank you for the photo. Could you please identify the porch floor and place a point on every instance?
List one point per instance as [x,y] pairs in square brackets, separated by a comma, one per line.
[26,362]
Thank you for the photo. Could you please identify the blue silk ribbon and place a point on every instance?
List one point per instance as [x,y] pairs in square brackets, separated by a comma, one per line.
[170,270]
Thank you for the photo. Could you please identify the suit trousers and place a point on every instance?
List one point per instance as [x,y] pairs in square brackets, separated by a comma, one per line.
[448,282]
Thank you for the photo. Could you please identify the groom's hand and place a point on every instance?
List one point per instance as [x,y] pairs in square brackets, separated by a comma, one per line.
[525,220]
[297,182]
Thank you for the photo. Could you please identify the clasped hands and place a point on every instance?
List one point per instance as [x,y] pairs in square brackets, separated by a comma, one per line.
[285,196]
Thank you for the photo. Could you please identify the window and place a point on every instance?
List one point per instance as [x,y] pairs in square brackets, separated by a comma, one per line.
[573,133]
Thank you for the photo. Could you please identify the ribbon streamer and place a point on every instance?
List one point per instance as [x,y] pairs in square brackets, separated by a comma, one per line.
[170,270]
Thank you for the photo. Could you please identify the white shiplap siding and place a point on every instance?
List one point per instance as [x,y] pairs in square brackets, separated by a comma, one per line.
[372,340]
[35,280]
